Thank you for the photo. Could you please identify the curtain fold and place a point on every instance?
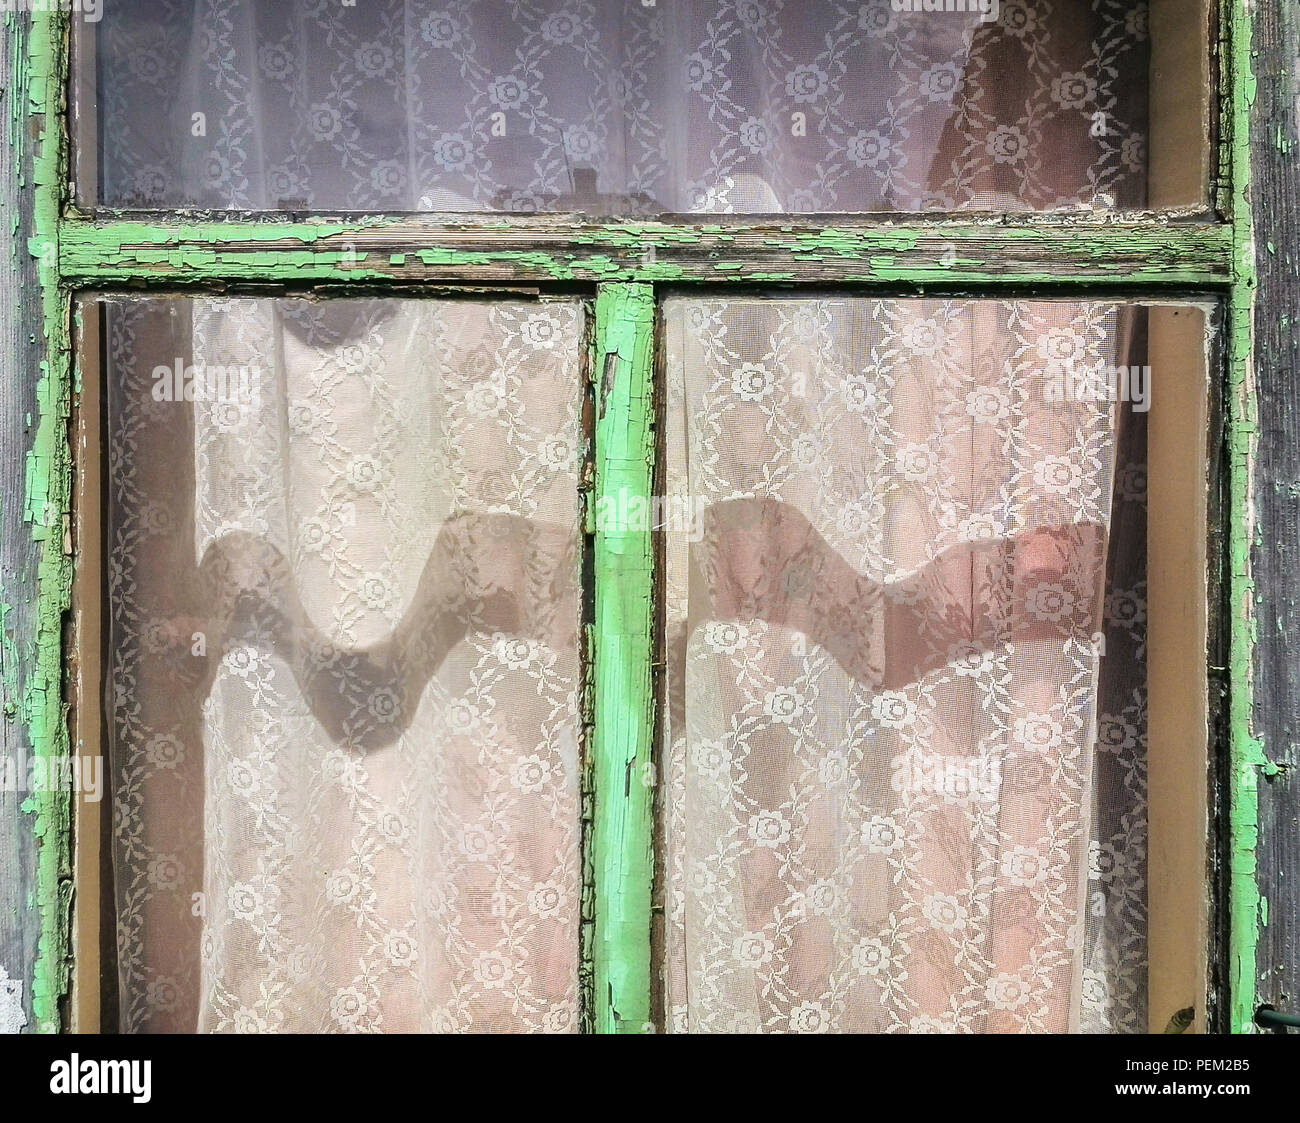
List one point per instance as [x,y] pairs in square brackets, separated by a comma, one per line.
[343,666]
[624,108]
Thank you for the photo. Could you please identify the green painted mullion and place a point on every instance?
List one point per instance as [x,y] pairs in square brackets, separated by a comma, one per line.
[1246,752]
[622,777]
[38,108]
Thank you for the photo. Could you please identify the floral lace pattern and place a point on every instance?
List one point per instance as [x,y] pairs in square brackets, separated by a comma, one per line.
[885,810]
[622,108]
[343,546]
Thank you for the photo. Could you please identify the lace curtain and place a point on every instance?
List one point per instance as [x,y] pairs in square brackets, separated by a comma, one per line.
[889,807]
[344,568]
[627,107]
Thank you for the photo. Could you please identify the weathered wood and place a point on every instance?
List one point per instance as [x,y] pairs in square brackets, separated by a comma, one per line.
[32,831]
[19,923]
[1040,253]
[1275,194]
[1233,875]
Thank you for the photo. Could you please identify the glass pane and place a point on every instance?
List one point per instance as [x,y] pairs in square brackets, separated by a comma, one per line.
[343,576]
[906,791]
[636,108]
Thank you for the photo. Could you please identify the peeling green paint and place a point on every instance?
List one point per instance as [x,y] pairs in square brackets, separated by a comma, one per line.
[10,693]
[623,778]
[1065,251]
[48,491]
[1246,752]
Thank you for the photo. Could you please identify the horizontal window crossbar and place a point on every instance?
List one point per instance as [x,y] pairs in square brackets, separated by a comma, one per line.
[383,251]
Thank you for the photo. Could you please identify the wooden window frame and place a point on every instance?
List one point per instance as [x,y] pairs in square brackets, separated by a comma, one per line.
[1205,254]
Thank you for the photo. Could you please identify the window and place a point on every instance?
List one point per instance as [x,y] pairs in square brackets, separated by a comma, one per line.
[347,643]
[648,517]
[914,707]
